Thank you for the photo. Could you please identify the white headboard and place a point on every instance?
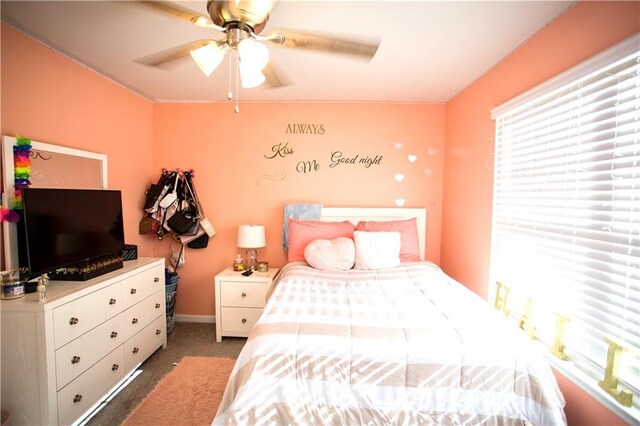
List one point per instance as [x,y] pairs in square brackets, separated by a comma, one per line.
[356,214]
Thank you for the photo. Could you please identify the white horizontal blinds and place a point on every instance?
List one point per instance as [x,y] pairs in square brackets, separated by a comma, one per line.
[567,212]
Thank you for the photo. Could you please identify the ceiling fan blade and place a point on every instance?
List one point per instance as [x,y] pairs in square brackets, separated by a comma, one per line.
[164,57]
[182,13]
[275,78]
[323,43]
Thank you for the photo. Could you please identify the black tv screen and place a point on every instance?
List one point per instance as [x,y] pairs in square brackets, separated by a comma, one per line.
[66,226]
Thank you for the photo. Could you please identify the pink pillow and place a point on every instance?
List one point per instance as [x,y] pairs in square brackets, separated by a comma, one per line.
[302,232]
[331,255]
[377,250]
[409,246]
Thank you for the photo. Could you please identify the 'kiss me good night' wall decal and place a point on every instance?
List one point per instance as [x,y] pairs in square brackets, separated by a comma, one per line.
[332,159]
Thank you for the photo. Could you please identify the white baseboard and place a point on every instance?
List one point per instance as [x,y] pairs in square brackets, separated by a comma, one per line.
[195,318]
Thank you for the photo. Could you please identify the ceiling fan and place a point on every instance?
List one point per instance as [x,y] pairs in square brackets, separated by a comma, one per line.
[242,21]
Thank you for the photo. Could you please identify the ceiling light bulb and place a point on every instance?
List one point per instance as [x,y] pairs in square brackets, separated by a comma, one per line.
[253,54]
[250,77]
[209,56]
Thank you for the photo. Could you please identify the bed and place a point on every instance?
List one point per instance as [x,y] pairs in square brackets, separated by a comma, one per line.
[402,345]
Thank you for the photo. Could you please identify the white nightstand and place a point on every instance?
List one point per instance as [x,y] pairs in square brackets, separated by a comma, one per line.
[240,300]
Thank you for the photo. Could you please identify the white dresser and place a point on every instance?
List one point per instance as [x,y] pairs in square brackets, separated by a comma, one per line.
[61,356]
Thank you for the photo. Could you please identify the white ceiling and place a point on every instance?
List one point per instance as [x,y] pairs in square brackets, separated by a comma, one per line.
[429,51]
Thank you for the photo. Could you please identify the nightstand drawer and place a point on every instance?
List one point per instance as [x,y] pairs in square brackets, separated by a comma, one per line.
[239,320]
[250,295]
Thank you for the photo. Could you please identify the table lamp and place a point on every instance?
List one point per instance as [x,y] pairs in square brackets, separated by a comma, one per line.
[251,237]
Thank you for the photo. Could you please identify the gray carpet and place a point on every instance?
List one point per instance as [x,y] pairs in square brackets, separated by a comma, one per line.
[194,339]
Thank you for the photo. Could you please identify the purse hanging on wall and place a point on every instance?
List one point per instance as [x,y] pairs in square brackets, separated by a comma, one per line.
[199,243]
[185,221]
[155,193]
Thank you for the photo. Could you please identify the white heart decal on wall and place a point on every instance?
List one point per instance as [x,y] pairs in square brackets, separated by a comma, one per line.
[428,172]
[398,145]
[412,158]
[431,151]
[399,202]
[399,177]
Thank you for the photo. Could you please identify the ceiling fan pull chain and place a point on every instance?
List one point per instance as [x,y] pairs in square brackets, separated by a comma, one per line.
[237,108]
[229,92]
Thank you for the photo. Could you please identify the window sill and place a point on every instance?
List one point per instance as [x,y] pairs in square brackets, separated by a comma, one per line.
[630,415]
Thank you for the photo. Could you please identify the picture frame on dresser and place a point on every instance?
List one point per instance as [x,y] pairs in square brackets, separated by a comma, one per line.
[52,166]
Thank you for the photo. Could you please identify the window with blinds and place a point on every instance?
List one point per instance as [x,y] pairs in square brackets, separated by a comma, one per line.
[566,216]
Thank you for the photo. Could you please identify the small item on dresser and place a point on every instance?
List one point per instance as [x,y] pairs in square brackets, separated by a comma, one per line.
[12,286]
[42,288]
[130,252]
[247,273]
[263,266]
[238,263]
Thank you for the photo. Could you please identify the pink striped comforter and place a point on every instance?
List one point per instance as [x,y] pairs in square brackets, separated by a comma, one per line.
[400,346]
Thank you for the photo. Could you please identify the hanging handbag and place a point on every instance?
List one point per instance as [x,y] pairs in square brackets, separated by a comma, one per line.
[172,196]
[155,193]
[199,243]
[204,222]
[185,220]
[182,222]
[146,225]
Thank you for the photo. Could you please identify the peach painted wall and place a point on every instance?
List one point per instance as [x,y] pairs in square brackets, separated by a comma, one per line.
[237,184]
[584,30]
[49,98]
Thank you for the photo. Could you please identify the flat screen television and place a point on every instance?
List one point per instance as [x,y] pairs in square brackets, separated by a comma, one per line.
[63,227]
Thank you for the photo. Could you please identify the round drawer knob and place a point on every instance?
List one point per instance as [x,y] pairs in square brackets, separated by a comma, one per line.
[157,305]
[136,350]
[244,320]
[77,398]
[243,295]
[134,321]
[115,367]
[112,301]
[73,321]
[114,334]
[134,291]
[156,279]
[158,331]
[75,360]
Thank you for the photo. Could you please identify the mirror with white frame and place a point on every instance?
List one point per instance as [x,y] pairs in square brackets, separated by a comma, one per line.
[52,166]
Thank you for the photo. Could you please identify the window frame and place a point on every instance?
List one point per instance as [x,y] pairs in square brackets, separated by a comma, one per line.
[585,380]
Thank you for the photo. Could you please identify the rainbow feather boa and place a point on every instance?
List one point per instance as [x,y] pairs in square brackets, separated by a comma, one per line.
[22,164]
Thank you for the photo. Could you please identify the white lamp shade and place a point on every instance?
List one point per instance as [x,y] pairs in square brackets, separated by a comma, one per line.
[209,56]
[251,236]
[253,54]
[251,77]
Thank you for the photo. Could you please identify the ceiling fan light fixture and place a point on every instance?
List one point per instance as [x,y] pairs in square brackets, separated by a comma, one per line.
[251,77]
[209,56]
[253,54]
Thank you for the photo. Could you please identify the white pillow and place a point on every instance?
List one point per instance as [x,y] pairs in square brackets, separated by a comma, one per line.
[331,255]
[377,250]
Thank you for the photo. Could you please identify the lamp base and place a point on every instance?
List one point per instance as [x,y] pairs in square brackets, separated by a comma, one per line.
[252,259]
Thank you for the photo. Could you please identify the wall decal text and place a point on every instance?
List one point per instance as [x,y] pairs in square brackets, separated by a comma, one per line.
[280,150]
[306,129]
[337,158]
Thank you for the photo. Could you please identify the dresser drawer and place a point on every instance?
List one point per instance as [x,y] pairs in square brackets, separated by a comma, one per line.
[143,344]
[239,320]
[142,285]
[77,356]
[81,315]
[243,294]
[139,316]
[80,394]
